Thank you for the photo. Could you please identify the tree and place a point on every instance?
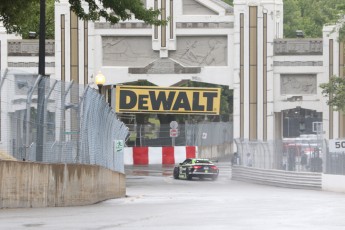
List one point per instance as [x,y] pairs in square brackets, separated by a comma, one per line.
[230,2]
[20,16]
[32,23]
[335,90]
[299,15]
[119,10]
[13,13]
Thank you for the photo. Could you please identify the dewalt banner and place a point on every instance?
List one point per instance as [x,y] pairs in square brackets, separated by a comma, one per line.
[173,100]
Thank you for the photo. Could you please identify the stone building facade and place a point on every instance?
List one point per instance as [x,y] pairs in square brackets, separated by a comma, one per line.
[208,41]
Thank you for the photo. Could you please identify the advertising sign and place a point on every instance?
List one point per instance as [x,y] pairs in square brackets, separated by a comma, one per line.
[337,146]
[119,146]
[170,100]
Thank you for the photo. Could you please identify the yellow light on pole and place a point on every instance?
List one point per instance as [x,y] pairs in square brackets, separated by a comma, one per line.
[100,80]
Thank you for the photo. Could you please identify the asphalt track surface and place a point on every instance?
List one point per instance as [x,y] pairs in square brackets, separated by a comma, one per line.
[156,201]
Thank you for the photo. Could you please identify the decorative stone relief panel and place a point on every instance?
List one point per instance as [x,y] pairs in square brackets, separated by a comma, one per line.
[29,47]
[29,64]
[204,25]
[201,51]
[164,66]
[297,63]
[298,84]
[192,7]
[298,47]
[122,25]
[127,51]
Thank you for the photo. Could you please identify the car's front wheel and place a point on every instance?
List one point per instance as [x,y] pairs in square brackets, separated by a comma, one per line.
[176,173]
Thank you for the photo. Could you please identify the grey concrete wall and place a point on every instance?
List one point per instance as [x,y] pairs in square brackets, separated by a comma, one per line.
[27,184]
[216,152]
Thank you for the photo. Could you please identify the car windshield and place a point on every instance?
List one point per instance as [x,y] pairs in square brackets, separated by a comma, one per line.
[202,161]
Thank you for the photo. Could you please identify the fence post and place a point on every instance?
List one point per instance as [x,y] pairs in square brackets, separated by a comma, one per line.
[46,99]
[140,138]
[28,106]
[3,79]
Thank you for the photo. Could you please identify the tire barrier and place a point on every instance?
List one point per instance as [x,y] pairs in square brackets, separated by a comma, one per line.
[158,155]
[280,178]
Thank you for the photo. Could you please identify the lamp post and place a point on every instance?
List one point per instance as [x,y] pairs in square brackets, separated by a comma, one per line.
[100,80]
[41,85]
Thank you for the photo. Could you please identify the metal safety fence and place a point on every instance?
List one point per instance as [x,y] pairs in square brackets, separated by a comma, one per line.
[196,134]
[335,163]
[51,121]
[306,153]
[303,154]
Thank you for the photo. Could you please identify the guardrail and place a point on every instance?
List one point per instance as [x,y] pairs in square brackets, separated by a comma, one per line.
[280,178]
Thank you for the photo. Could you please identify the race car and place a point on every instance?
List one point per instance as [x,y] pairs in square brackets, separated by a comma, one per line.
[196,167]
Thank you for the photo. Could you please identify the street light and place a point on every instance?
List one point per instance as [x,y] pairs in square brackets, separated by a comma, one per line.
[100,80]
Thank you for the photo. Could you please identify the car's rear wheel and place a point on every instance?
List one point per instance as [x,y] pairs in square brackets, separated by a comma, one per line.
[176,172]
[215,177]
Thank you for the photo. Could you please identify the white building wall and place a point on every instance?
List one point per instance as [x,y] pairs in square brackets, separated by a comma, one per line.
[11,66]
[274,10]
[209,74]
[330,32]
[225,75]
[62,8]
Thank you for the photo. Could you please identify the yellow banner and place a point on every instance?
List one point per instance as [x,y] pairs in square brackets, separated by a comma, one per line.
[173,100]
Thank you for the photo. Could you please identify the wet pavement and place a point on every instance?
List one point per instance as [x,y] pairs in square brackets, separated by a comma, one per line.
[156,201]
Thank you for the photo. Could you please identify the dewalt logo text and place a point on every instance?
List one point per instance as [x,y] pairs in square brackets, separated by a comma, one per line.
[178,100]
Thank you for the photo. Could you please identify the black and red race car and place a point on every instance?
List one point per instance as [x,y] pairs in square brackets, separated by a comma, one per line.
[196,167]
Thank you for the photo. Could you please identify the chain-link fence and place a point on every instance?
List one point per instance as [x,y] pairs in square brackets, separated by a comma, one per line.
[200,134]
[292,154]
[61,123]
[334,161]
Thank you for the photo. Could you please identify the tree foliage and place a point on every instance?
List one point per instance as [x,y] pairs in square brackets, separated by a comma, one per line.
[16,15]
[310,16]
[115,10]
[335,91]
[230,2]
[22,16]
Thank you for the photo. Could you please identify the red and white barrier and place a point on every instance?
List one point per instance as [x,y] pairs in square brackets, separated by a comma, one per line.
[158,155]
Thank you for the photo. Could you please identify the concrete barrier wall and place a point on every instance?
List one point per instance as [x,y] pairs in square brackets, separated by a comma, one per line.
[289,179]
[166,155]
[26,184]
[306,180]
[216,151]
[333,183]
[174,154]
